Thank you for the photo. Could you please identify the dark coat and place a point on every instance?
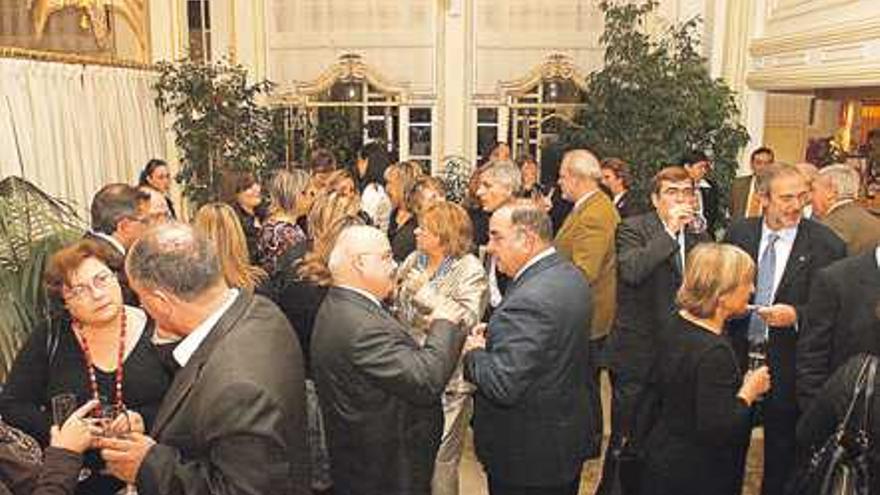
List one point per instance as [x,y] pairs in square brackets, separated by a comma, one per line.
[699,441]
[535,414]
[711,207]
[647,279]
[815,247]
[234,419]
[842,320]
[380,394]
[627,206]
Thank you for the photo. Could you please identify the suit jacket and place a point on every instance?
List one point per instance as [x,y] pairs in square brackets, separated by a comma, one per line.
[739,196]
[815,247]
[859,228]
[842,321]
[380,394]
[233,421]
[648,279]
[535,414]
[116,262]
[709,197]
[627,206]
[587,239]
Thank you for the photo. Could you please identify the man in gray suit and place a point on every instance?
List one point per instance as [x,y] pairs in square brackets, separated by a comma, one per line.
[233,420]
[379,390]
[536,411]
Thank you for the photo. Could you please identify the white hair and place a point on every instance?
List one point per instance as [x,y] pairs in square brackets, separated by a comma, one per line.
[583,164]
[843,179]
[348,240]
[506,173]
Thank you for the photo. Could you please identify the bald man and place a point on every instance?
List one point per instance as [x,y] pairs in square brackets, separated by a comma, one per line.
[379,390]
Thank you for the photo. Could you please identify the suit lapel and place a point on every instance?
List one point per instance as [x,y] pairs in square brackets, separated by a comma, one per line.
[187,376]
[797,260]
[533,270]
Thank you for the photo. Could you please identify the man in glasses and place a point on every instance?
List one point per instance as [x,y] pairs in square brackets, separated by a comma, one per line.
[651,253]
[788,251]
[379,389]
[120,215]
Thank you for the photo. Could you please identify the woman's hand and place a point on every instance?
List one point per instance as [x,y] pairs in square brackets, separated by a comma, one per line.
[755,384]
[76,434]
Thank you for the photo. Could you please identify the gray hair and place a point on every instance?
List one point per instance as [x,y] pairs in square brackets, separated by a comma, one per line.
[286,186]
[504,173]
[114,203]
[176,258]
[583,164]
[843,179]
[527,216]
[774,171]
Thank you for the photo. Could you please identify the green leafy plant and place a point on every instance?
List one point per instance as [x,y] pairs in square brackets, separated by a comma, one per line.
[219,123]
[33,226]
[654,100]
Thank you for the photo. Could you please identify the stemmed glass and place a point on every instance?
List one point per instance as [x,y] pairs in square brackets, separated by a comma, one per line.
[115,423]
[63,405]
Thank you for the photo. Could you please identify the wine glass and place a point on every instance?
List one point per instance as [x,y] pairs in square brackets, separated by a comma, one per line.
[63,405]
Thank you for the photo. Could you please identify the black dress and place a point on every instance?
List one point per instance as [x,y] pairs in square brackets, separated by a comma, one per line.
[698,443]
[36,377]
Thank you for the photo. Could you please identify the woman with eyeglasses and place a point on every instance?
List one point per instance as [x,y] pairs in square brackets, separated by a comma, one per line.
[95,348]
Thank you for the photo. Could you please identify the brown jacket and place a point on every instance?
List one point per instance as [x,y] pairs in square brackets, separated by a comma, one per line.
[587,239]
[739,196]
[858,227]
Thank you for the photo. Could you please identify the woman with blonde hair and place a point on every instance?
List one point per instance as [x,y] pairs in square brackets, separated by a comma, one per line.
[399,181]
[698,443]
[442,272]
[219,222]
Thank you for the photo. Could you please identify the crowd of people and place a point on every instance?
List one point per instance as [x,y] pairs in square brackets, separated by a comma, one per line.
[340,332]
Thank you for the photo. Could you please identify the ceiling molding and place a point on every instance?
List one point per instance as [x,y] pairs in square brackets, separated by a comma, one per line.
[838,34]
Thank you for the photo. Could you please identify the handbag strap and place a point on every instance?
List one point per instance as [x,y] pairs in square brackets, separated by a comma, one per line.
[857,392]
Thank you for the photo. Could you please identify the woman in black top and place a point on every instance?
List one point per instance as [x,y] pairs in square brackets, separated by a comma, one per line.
[243,193]
[399,181]
[156,175]
[98,349]
[698,443]
[829,408]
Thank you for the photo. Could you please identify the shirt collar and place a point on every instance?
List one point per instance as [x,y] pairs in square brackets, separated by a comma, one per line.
[538,257]
[191,343]
[877,255]
[617,196]
[838,205]
[112,240]
[362,292]
[583,199]
[786,235]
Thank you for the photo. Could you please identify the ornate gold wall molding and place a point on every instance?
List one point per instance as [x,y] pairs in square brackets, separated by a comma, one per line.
[555,66]
[350,67]
[133,12]
[64,58]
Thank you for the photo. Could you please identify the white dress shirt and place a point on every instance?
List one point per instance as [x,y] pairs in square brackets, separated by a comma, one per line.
[783,251]
[191,343]
[112,240]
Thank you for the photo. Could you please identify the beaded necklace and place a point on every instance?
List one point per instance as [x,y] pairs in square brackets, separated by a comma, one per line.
[90,365]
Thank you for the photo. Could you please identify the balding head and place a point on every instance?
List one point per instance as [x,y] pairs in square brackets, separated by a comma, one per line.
[362,258]
[579,174]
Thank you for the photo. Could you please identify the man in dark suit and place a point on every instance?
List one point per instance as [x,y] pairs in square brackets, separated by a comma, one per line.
[617,179]
[744,201]
[120,215]
[844,320]
[788,251]
[233,421]
[651,252]
[835,194]
[380,391]
[535,412]
[500,183]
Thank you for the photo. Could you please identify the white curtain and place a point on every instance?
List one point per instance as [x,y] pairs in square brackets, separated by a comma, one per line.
[71,129]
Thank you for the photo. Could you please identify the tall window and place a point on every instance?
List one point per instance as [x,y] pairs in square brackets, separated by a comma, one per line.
[199,21]
[487,131]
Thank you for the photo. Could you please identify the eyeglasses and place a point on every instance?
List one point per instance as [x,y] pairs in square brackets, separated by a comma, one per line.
[678,192]
[101,281]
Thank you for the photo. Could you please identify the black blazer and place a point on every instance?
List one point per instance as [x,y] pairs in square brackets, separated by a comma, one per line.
[648,279]
[535,414]
[711,210]
[627,206]
[116,262]
[234,419]
[698,442]
[380,394]
[843,319]
[815,247]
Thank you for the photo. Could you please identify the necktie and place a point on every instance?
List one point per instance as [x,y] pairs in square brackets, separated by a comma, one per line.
[764,291]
